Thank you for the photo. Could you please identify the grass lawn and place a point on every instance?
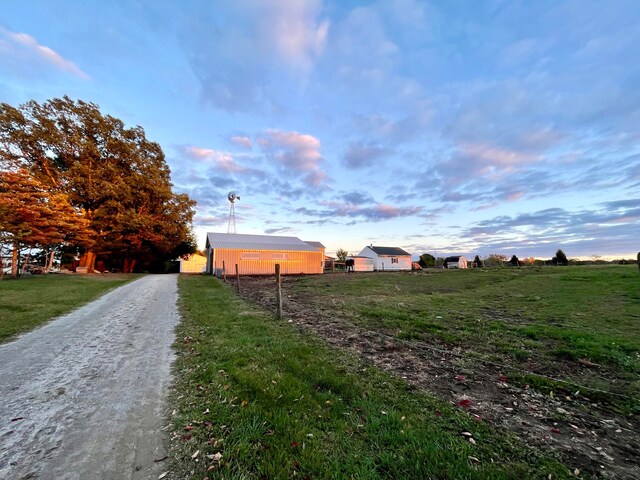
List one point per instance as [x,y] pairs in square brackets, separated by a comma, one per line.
[551,321]
[256,398]
[30,301]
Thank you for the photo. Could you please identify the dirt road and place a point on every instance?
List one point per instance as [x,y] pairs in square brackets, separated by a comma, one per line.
[84,396]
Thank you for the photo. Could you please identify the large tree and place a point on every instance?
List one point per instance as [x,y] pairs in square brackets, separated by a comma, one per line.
[114,176]
[427,260]
[33,216]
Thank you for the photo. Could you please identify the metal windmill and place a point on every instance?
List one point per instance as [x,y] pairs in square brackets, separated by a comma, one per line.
[232,197]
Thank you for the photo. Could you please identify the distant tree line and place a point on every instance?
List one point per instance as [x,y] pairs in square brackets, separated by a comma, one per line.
[497,259]
[77,182]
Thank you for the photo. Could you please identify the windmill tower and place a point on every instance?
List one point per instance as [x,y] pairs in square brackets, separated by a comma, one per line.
[232,197]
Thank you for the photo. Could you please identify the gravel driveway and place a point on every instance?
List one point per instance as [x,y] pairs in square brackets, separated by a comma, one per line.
[84,396]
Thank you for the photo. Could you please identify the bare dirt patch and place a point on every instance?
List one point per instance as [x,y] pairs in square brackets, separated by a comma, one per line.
[587,437]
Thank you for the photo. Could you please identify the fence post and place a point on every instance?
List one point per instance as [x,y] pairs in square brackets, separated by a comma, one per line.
[224,273]
[278,291]
[237,279]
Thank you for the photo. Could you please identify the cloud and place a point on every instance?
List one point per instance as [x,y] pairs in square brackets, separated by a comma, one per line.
[271,231]
[242,141]
[294,154]
[25,48]
[357,198]
[359,155]
[374,213]
[242,51]
[606,227]
[222,160]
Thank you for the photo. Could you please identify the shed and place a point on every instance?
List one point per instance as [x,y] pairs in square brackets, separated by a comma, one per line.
[258,254]
[362,264]
[455,262]
[194,264]
[387,258]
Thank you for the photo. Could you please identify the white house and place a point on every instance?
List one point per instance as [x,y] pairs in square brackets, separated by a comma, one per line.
[387,258]
[455,262]
[194,264]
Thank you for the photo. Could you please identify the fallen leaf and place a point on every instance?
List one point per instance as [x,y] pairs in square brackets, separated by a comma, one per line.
[216,457]
[474,459]
[188,427]
[555,430]
[195,454]
[161,459]
[17,418]
[295,444]
[502,379]
[244,403]
[466,403]
[472,441]
[206,411]
[163,474]
[576,472]
[466,434]
[460,378]
[438,413]
[186,437]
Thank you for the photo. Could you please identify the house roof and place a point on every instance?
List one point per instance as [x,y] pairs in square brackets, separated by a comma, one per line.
[396,251]
[318,245]
[237,241]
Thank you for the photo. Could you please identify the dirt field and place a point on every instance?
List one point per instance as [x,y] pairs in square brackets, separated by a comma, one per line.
[586,435]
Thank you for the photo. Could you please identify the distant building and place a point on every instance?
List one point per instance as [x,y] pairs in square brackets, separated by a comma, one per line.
[258,254]
[455,262]
[387,258]
[194,264]
[361,264]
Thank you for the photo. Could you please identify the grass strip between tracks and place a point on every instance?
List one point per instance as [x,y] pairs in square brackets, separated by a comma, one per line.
[256,398]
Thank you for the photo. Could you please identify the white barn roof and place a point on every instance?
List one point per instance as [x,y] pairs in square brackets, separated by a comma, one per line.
[237,241]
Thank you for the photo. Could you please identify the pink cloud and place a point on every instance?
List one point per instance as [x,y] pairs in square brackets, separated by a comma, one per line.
[242,141]
[24,45]
[292,149]
[293,29]
[223,160]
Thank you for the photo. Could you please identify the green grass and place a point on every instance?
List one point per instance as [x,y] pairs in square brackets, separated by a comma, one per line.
[31,301]
[271,402]
[551,317]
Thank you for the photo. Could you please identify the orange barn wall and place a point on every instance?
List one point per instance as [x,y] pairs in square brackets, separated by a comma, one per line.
[262,262]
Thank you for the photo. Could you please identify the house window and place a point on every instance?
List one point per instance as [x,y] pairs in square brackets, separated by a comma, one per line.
[394,260]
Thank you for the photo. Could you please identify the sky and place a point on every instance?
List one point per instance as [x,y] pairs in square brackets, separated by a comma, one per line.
[448,127]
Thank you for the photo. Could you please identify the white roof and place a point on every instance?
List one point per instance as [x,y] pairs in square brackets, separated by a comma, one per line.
[237,241]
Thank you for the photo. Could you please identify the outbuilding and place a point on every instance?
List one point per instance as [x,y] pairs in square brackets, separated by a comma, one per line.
[387,258]
[258,254]
[455,262]
[361,264]
[194,264]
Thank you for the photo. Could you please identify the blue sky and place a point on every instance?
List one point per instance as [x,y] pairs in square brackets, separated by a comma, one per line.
[450,127]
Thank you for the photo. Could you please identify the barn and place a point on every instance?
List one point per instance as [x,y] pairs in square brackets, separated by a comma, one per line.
[258,254]
[455,262]
[194,264]
[361,264]
[387,258]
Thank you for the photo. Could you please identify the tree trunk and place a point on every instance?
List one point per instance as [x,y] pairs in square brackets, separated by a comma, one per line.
[50,262]
[14,261]
[88,260]
[129,265]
